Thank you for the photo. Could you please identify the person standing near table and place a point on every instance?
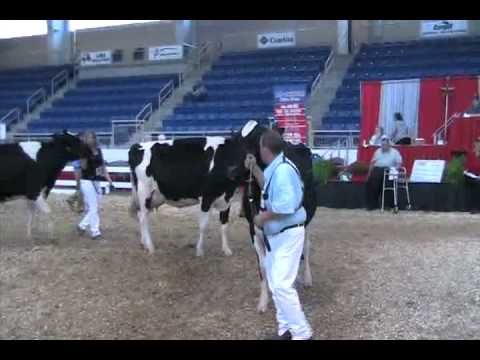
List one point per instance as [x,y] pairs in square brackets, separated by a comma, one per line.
[384,158]
[400,134]
[93,170]
[282,219]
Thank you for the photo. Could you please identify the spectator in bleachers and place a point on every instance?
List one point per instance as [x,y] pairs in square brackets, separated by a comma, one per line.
[198,94]
[400,134]
[475,107]
[383,158]
[376,138]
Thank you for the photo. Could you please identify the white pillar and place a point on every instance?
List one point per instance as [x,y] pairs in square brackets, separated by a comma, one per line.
[59,42]
[342,37]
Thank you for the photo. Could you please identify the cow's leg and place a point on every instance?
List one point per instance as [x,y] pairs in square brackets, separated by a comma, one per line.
[202,224]
[224,220]
[143,195]
[306,260]
[260,249]
[30,214]
[134,207]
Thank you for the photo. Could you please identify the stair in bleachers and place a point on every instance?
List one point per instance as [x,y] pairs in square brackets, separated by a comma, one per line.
[94,103]
[240,88]
[400,60]
[16,86]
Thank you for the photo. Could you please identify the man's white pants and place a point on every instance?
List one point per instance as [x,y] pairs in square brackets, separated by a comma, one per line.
[281,265]
[91,199]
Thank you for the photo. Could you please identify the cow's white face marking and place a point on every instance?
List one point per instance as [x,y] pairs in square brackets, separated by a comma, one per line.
[31,148]
[248,128]
[213,142]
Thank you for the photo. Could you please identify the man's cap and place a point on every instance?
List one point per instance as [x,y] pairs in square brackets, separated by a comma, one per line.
[385,137]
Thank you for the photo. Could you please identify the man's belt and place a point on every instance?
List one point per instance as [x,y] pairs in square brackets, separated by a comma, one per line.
[291,227]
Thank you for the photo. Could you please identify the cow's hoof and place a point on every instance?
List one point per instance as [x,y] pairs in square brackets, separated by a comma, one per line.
[227,252]
[200,252]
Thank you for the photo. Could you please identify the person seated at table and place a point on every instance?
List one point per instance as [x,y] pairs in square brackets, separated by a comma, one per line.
[400,133]
[376,138]
[384,158]
[475,107]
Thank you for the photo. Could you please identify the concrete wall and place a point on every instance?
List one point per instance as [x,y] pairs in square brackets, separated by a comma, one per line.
[24,51]
[130,70]
[241,35]
[127,38]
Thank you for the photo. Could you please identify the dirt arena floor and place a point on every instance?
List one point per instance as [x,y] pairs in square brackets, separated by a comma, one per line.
[376,276]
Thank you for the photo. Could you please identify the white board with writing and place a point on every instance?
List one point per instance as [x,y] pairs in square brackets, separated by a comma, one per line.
[427,171]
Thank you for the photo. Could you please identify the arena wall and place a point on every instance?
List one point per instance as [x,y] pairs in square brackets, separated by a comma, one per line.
[24,51]
[241,35]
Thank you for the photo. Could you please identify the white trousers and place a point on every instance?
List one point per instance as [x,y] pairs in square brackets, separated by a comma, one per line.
[281,266]
[91,199]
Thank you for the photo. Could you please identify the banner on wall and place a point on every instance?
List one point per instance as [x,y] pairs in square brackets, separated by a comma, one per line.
[93,58]
[272,40]
[159,53]
[432,28]
[290,112]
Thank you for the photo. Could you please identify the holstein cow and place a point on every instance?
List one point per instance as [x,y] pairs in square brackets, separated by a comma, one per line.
[30,169]
[184,172]
[301,156]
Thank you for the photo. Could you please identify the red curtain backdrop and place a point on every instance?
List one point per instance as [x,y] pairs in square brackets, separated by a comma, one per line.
[431,112]
[370,91]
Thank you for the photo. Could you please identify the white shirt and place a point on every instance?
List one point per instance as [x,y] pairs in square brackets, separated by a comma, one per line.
[390,158]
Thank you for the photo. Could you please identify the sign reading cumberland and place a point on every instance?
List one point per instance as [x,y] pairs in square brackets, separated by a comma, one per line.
[173,52]
[93,58]
[272,40]
[432,28]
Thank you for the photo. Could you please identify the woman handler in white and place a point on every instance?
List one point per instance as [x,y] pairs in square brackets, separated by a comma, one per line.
[282,220]
[93,170]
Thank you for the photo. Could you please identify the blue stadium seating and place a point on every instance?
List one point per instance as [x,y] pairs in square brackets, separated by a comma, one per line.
[400,60]
[240,87]
[16,86]
[94,103]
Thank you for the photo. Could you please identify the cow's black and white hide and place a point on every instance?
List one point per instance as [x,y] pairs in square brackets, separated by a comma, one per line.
[184,172]
[30,169]
[301,156]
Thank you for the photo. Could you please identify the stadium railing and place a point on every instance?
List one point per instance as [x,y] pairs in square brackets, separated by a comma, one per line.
[38,97]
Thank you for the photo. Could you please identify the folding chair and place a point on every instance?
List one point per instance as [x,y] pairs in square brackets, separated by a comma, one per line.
[399,181]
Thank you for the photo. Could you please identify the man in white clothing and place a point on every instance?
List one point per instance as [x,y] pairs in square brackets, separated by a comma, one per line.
[282,219]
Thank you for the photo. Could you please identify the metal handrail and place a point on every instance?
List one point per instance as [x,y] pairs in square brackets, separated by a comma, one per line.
[326,70]
[441,130]
[30,99]
[161,94]
[62,75]
[147,109]
[15,111]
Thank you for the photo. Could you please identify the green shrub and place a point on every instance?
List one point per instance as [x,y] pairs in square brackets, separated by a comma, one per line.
[323,170]
[455,169]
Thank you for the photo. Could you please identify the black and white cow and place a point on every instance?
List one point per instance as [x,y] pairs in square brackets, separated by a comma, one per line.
[301,156]
[184,172]
[30,169]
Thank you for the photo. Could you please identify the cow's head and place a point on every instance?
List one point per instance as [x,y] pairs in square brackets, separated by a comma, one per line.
[250,139]
[71,146]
